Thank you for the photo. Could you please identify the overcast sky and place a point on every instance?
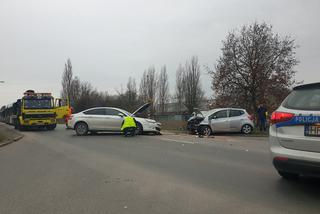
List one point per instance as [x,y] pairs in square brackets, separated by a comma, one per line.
[108,41]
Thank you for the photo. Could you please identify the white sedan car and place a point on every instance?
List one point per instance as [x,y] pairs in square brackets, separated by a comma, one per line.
[109,119]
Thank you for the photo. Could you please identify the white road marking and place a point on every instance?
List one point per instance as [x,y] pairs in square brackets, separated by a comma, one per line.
[177,141]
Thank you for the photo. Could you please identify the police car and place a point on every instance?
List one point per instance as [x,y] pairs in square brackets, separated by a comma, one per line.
[295,133]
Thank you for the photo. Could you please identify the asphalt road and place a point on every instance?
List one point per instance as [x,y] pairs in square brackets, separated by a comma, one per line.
[58,172]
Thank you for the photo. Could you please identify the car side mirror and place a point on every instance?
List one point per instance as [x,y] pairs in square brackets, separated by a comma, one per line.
[121,115]
[214,117]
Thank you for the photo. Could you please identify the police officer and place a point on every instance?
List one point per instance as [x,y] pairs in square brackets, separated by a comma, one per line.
[262,117]
[128,126]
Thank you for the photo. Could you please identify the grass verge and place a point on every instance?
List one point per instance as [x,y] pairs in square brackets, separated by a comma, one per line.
[2,137]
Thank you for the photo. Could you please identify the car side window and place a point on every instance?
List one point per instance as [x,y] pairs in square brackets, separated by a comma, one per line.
[235,113]
[219,114]
[112,112]
[98,111]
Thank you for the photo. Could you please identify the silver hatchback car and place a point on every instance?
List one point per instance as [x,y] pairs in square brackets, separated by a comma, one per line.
[295,133]
[226,120]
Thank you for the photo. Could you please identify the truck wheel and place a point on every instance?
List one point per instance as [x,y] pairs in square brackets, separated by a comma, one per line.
[51,127]
[21,128]
[16,124]
[81,128]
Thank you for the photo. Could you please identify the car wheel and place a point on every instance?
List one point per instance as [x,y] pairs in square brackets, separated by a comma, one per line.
[246,129]
[139,129]
[81,128]
[288,175]
[205,130]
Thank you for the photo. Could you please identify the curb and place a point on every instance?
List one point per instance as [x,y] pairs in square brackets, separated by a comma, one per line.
[11,141]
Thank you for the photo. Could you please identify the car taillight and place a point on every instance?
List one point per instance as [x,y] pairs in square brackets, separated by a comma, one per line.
[278,117]
[280,158]
[250,117]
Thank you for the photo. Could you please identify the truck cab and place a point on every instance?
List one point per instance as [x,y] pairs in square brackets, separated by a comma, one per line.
[36,110]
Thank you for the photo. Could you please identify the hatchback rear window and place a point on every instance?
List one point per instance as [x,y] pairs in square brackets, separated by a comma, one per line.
[235,113]
[306,99]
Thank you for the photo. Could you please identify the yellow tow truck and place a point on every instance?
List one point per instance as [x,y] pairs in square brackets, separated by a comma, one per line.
[38,110]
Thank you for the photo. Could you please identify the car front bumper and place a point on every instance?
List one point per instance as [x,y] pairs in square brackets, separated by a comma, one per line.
[152,127]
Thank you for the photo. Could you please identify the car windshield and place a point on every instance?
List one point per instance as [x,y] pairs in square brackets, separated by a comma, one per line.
[307,99]
[38,103]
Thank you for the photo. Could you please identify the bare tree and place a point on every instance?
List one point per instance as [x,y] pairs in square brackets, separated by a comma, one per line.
[148,86]
[67,77]
[179,92]
[256,66]
[193,93]
[85,99]
[75,91]
[163,89]
[131,94]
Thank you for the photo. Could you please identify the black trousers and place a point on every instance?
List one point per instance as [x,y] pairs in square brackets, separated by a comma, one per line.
[129,131]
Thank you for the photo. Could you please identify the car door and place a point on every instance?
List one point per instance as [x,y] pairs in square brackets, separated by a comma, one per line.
[113,120]
[235,119]
[219,121]
[95,118]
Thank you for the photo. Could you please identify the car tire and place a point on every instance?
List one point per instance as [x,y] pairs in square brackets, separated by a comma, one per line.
[288,175]
[139,129]
[81,128]
[246,129]
[205,130]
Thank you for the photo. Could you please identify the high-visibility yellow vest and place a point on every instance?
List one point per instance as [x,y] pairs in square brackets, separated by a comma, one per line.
[128,122]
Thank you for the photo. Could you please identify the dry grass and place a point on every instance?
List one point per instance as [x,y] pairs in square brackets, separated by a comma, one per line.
[2,137]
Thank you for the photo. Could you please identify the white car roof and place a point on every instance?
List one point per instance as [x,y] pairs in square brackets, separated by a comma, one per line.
[119,109]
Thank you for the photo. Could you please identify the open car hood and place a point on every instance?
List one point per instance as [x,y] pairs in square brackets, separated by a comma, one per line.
[199,113]
[141,109]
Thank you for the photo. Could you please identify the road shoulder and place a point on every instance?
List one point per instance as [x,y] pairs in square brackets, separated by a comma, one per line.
[232,141]
[8,135]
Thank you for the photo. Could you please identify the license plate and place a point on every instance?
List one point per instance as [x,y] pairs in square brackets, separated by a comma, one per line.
[312,130]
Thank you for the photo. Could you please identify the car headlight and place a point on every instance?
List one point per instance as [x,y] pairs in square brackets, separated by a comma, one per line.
[150,121]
